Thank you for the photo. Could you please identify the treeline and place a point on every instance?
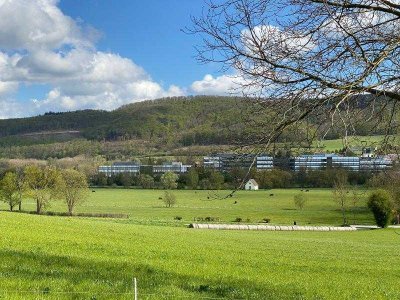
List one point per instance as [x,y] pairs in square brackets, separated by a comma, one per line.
[43,184]
[208,179]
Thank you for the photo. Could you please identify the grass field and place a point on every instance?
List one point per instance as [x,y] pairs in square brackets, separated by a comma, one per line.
[44,257]
[144,206]
[355,142]
[49,257]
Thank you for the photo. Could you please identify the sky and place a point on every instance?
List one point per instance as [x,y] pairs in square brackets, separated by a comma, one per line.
[64,55]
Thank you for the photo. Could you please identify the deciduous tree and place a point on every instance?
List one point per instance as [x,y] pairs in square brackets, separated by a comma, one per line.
[381,206]
[72,188]
[41,183]
[169,199]
[300,200]
[9,192]
[341,194]
[169,180]
[307,58]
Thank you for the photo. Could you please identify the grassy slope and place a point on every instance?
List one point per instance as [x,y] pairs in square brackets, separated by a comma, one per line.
[39,253]
[355,142]
[143,206]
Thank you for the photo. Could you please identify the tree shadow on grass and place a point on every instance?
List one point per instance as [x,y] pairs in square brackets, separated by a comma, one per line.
[26,275]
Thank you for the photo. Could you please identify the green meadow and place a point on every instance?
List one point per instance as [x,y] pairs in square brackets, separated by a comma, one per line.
[52,257]
[144,206]
[45,257]
[356,142]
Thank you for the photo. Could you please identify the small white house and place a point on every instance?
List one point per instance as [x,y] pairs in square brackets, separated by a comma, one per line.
[251,185]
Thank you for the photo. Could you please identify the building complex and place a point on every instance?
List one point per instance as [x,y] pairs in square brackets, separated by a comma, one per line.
[225,162]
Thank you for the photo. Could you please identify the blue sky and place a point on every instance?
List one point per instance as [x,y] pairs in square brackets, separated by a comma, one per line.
[148,32]
[62,55]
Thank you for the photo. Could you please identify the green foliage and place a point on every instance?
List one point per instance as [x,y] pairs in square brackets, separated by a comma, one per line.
[300,200]
[169,180]
[216,180]
[9,190]
[72,187]
[193,178]
[389,181]
[381,205]
[170,124]
[41,183]
[146,181]
[169,199]
[274,178]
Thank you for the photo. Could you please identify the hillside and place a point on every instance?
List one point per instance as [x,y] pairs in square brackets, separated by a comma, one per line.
[160,126]
[181,121]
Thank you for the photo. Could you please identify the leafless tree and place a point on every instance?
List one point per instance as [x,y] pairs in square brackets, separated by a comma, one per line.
[341,194]
[300,59]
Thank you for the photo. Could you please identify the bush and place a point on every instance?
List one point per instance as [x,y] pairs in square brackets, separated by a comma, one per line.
[169,199]
[300,200]
[380,204]
[178,218]
[238,220]
[266,220]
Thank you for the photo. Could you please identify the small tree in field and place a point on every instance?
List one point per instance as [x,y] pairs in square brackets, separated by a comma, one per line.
[9,192]
[300,200]
[381,205]
[340,194]
[169,199]
[72,187]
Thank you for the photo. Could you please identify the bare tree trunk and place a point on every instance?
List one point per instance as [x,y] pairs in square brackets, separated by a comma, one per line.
[344,216]
[20,202]
[70,209]
[38,207]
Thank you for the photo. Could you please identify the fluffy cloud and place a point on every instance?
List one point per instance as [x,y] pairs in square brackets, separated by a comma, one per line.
[39,24]
[221,85]
[39,44]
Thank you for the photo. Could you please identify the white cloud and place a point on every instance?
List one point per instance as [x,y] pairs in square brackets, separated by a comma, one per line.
[39,44]
[275,43]
[38,24]
[11,108]
[7,88]
[221,85]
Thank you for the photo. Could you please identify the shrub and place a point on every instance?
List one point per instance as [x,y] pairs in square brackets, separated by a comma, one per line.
[266,220]
[169,199]
[178,218]
[238,220]
[300,200]
[380,204]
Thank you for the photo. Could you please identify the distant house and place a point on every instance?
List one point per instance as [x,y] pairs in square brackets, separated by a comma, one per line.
[251,185]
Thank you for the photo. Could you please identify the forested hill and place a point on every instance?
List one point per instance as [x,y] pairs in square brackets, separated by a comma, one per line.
[175,122]
[198,120]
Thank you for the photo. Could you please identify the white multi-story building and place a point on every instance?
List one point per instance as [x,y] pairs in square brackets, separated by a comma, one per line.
[264,162]
[375,163]
[176,167]
[120,167]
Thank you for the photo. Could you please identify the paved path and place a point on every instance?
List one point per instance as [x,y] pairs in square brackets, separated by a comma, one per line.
[270,227]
